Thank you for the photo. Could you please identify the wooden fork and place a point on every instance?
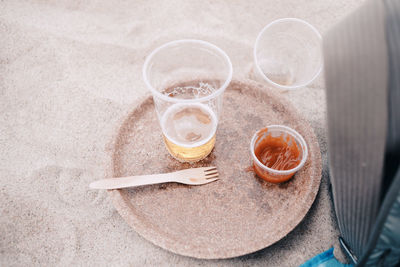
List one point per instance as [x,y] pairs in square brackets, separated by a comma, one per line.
[194,176]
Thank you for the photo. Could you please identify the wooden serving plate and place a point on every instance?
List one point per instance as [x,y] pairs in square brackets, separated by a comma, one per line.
[236,215]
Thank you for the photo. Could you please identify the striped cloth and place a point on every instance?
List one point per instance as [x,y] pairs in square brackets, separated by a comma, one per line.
[362,70]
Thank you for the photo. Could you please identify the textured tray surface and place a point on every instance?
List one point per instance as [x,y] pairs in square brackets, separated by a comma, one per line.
[236,215]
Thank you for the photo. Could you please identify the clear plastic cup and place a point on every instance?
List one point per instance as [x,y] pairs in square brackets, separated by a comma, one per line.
[288,53]
[187,79]
[288,135]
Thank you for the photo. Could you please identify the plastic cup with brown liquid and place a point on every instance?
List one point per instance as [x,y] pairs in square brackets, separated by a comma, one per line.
[278,152]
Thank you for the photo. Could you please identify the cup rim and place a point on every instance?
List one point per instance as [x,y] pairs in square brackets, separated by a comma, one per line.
[295,135]
[257,44]
[220,90]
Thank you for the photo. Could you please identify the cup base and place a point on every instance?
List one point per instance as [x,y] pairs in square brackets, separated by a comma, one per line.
[275,179]
[189,154]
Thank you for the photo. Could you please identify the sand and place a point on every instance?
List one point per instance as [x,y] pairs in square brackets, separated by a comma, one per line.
[69,71]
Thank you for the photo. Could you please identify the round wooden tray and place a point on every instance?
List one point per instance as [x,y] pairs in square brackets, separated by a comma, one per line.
[236,215]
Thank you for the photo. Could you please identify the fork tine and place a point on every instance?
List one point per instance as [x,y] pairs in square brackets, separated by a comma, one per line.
[210,177]
[211,169]
[211,173]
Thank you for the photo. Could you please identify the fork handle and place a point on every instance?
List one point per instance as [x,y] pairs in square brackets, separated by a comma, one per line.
[132,181]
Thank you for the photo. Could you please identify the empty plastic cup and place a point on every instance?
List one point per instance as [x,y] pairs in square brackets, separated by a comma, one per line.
[288,54]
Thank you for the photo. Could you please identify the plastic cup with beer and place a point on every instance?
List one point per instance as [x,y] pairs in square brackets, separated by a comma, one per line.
[187,79]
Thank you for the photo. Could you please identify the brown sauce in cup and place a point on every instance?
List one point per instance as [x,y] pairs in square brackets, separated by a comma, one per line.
[278,153]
